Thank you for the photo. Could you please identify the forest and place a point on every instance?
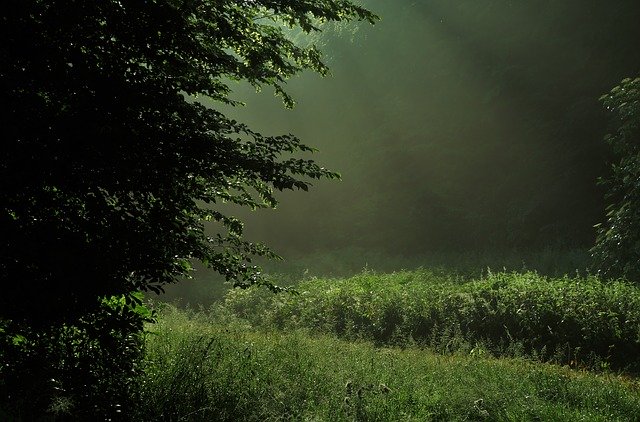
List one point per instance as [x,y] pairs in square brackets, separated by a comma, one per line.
[456,126]
[335,210]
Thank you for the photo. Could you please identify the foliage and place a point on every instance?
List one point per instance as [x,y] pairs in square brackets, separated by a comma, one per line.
[618,244]
[577,321]
[78,371]
[110,164]
[206,287]
[223,371]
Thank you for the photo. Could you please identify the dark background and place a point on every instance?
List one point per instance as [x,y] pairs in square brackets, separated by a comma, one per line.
[457,125]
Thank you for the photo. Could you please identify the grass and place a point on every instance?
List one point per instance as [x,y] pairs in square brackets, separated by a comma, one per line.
[423,345]
[202,366]
[207,287]
[420,345]
[572,320]
[552,261]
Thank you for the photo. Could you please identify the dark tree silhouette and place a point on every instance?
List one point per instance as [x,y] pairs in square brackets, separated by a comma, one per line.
[110,164]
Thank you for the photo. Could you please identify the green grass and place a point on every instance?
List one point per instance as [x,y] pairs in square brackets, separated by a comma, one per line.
[207,287]
[204,367]
[423,345]
[572,320]
[552,261]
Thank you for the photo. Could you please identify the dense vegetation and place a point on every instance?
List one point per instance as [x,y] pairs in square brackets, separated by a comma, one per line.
[618,245]
[413,345]
[75,371]
[202,367]
[553,261]
[572,320]
[122,167]
[111,165]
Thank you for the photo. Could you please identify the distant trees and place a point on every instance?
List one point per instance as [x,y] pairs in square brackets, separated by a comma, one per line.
[618,245]
[109,164]
[479,128]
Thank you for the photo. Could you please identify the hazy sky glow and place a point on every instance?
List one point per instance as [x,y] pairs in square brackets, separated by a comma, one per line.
[455,125]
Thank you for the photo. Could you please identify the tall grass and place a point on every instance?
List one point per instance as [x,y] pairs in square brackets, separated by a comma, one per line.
[208,287]
[552,261]
[571,320]
[200,367]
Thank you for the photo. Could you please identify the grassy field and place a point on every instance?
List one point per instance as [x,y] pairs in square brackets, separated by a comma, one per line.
[203,367]
[580,321]
[413,345]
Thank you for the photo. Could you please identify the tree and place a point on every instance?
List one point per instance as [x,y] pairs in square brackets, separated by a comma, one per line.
[110,166]
[617,249]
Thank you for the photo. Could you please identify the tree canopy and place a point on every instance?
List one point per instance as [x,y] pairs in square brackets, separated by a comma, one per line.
[110,164]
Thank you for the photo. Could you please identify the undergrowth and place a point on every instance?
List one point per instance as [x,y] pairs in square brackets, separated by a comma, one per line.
[578,321]
[207,286]
[202,366]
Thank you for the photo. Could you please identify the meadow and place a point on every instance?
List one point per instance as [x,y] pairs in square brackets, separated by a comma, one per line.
[200,367]
[423,345]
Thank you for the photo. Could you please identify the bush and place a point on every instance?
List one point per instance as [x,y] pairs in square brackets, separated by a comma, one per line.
[570,320]
[617,250]
[83,370]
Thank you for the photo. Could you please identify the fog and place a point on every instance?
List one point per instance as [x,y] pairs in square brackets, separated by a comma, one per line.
[456,125]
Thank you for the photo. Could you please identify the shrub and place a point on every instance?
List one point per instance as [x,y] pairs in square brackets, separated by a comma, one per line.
[575,320]
[81,370]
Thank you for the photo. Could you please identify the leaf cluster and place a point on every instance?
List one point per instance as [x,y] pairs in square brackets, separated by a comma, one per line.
[617,249]
[81,371]
[111,165]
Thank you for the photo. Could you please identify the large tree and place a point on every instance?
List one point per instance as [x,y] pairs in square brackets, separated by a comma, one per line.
[110,164]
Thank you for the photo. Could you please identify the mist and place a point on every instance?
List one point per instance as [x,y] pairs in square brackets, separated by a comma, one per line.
[457,126]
